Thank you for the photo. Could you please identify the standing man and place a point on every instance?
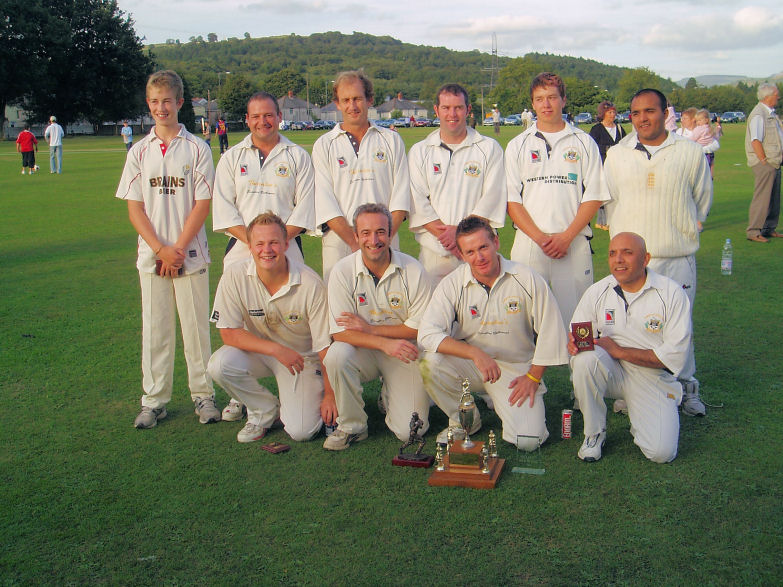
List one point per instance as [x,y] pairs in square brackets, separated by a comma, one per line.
[763,148]
[222,133]
[495,323]
[54,136]
[27,145]
[496,120]
[642,330]
[266,172]
[167,182]
[661,188]
[556,185]
[356,163]
[377,297]
[455,172]
[127,135]
[271,315]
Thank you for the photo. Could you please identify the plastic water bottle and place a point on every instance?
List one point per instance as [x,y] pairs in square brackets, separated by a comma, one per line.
[726,258]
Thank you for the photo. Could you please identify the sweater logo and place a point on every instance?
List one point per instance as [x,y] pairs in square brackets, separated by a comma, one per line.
[609,316]
[571,155]
[535,156]
[472,169]
[282,170]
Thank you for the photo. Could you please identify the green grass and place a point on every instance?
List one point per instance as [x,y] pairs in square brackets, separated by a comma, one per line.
[89,500]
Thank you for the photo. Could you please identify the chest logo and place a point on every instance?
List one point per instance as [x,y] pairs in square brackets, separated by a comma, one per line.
[653,323]
[380,156]
[257,313]
[436,168]
[394,300]
[243,169]
[571,155]
[341,162]
[362,299]
[512,306]
[474,313]
[609,316]
[472,169]
[292,318]
[535,156]
[186,169]
[282,170]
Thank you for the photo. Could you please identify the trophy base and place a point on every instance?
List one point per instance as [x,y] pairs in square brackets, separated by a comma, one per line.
[412,460]
[461,472]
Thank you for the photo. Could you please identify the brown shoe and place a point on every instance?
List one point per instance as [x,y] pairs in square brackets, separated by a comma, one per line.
[758,239]
[775,234]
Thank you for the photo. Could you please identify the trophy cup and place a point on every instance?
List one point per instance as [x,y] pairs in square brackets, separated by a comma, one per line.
[466,406]
[468,463]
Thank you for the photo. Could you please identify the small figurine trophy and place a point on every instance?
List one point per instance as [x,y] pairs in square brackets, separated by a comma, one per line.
[485,459]
[439,465]
[416,459]
[493,447]
[466,407]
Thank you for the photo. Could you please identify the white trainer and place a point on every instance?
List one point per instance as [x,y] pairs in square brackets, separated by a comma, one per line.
[590,451]
[234,411]
[251,432]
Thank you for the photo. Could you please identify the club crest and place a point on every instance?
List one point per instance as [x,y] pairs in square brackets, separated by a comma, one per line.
[472,169]
[571,155]
[653,323]
[282,170]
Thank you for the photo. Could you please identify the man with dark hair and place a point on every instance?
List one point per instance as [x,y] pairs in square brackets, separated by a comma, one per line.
[264,172]
[661,188]
[377,298]
[355,163]
[455,172]
[555,186]
[27,145]
[271,315]
[495,323]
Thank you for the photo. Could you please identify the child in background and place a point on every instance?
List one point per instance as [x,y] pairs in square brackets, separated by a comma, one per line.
[705,135]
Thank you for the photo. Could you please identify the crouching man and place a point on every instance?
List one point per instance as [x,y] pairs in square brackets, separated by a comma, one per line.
[377,297]
[496,323]
[642,329]
[272,318]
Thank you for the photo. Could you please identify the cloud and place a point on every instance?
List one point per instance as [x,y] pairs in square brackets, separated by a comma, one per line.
[748,27]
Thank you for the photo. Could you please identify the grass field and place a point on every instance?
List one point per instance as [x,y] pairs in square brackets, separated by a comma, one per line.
[87,499]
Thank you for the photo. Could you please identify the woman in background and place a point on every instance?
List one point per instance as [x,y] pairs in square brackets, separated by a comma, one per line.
[606,134]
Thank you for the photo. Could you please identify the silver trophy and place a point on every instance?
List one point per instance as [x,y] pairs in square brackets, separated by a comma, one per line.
[466,407]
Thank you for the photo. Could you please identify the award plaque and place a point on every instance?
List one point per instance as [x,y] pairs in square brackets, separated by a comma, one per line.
[415,459]
[583,335]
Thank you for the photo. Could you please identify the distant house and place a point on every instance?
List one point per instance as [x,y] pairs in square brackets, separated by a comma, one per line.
[204,109]
[330,112]
[16,118]
[293,108]
[407,108]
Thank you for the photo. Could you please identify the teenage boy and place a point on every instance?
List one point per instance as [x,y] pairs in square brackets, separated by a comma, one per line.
[167,182]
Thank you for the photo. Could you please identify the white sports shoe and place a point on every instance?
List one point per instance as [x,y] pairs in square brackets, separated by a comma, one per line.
[590,450]
[251,432]
[148,417]
[691,401]
[340,439]
[206,410]
[234,411]
[620,407]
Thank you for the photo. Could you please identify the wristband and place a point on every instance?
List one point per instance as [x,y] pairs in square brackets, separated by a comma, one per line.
[533,379]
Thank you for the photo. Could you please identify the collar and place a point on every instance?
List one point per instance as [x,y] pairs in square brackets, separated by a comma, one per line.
[283,143]
[361,269]
[473,137]
[631,139]
[154,137]
[770,111]
[338,128]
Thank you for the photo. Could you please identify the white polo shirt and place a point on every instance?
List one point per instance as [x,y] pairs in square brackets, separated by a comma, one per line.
[54,134]
[451,185]
[344,180]
[169,187]
[657,317]
[517,321]
[295,316]
[552,182]
[400,296]
[283,185]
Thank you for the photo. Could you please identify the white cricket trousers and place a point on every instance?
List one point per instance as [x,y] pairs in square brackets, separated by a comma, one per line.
[523,426]
[403,391]
[436,265]
[568,278]
[159,296]
[652,396]
[299,406]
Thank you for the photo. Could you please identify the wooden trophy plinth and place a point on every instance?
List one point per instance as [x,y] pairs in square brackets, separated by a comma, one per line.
[410,460]
[465,468]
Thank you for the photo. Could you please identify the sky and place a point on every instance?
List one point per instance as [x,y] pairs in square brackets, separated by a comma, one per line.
[674,39]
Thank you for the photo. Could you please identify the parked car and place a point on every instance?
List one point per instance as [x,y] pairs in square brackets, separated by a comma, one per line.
[728,117]
[423,122]
[624,116]
[285,125]
[740,116]
[298,125]
[583,118]
[512,121]
[323,125]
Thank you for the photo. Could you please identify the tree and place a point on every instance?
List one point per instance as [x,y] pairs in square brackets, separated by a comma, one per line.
[212,38]
[247,35]
[284,81]
[94,65]
[635,80]
[582,96]
[233,96]
[186,114]
[512,92]
[691,84]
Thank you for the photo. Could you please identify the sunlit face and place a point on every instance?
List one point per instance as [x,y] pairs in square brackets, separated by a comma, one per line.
[627,261]
[352,102]
[772,99]
[686,120]
[548,104]
[268,244]
[609,116]
[263,120]
[648,119]
[372,231]
[163,104]
[480,251]
[453,114]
